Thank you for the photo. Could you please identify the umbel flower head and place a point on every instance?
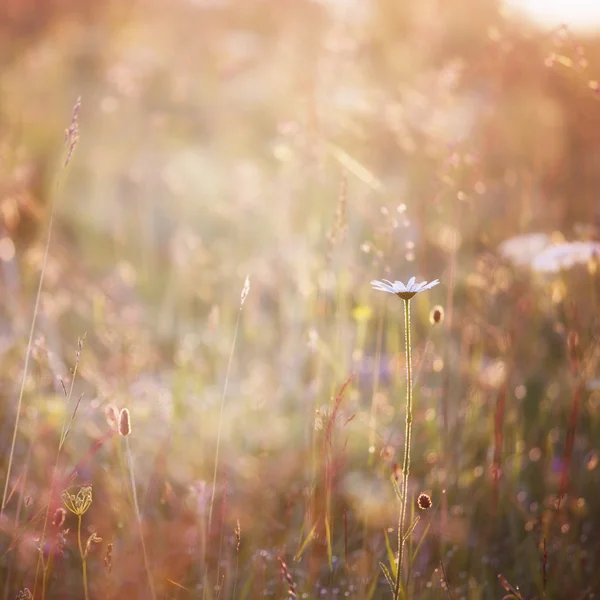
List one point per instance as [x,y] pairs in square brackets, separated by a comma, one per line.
[404,291]
[80,502]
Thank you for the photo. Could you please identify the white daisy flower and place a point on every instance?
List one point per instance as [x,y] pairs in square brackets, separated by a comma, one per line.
[404,291]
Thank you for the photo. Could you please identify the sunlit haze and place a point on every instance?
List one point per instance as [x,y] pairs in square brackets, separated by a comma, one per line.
[582,15]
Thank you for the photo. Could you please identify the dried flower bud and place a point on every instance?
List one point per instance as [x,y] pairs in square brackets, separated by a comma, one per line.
[108,558]
[93,539]
[424,502]
[436,315]
[124,422]
[59,517]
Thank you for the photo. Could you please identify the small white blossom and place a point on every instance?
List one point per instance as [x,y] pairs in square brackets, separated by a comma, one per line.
[404,291]
[564,256]
[522,249]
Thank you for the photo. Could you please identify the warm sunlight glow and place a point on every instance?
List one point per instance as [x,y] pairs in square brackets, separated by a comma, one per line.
[582,15]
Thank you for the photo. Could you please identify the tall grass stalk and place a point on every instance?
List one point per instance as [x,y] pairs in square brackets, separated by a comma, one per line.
[407,440]
[36,308]
[243,297]
[238,537]
[78,504]
[139,518]
[438,548]
[66,425]
[71,140]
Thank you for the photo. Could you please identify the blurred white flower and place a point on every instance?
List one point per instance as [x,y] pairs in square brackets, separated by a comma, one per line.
[492,373]
[404,291]
[564,256]
[522,249]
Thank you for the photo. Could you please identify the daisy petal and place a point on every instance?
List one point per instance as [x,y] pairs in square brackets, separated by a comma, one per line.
[404,290]
[430,285]
[384,287]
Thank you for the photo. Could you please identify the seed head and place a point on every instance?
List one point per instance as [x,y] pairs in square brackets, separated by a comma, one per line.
[436,315]
[238,535]
[245,291]
[124,422]
[424,502]
[72,132]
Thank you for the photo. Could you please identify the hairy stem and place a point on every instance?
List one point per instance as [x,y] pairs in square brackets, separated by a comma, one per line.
[406,460]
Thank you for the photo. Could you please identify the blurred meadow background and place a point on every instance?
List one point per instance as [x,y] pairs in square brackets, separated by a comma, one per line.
[243,170]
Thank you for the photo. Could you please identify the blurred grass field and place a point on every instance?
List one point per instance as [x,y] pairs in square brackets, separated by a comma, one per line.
[311,148]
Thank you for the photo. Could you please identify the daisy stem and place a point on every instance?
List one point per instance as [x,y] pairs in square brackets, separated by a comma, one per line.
[406,460]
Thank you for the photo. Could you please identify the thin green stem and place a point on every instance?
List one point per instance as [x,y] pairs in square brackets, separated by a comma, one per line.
[237,570]
[63,436]
[29,346]
[72,138]
[83,559]
[45,574]
[439,551]
[407,439]
[219,428]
